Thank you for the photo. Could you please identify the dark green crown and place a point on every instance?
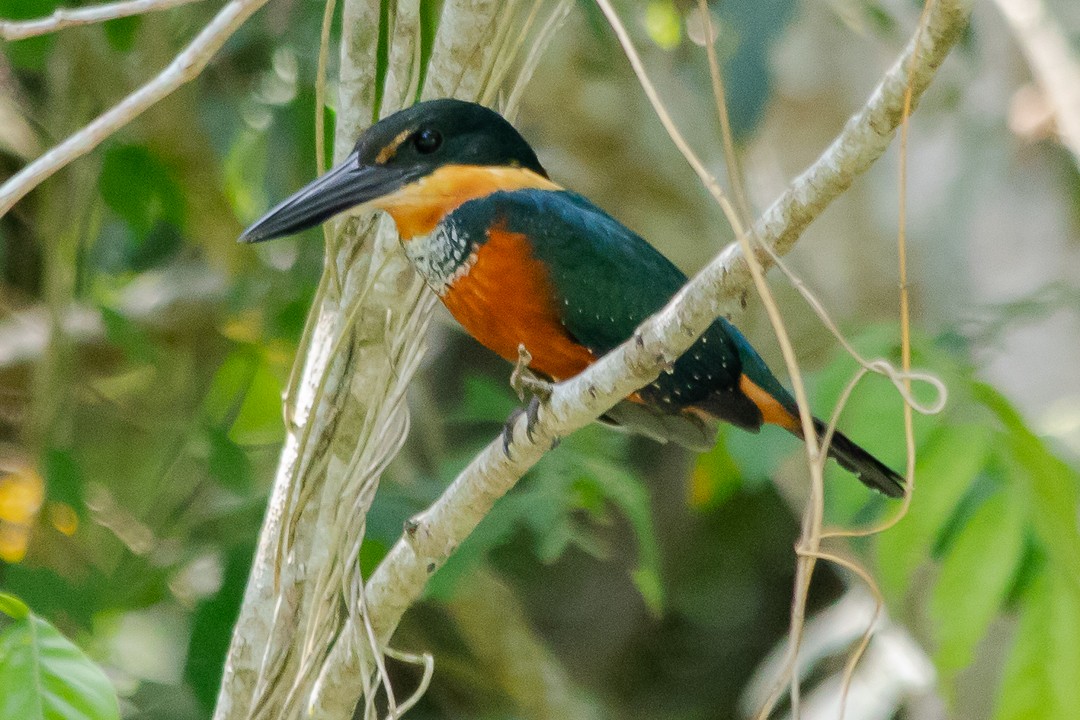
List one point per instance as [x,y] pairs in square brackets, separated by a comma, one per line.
[446,132]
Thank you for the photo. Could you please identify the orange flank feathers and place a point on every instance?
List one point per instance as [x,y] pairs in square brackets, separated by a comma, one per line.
[507,299]
[771,410]
[419,206]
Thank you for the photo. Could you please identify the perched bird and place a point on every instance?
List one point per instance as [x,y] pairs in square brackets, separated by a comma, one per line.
[519,260]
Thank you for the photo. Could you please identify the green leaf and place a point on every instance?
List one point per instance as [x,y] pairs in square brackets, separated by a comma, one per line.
[259,419]
[121,32]
[29,54]
[628,493]
[245,174]
[663,24]
[715,476]
[382,59]
[430,12]
[485,401]
[947,465]
[43,676]
[13,607]
[245,396]
[212,625]
[64,480]
[975,579]
[138,187]
[1044,663]
[1052,487]
[129,337]
[228,462]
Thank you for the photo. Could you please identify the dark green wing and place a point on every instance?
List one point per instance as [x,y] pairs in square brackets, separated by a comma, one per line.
[607,280]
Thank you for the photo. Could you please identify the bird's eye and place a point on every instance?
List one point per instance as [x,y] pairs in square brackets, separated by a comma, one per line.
[427,141]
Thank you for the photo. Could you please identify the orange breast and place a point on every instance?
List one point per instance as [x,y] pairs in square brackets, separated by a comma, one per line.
[507,299]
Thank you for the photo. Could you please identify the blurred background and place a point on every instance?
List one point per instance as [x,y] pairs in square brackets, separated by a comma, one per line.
[143,353]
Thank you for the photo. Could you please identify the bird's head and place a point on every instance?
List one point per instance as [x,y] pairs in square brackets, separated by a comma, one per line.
[417,164]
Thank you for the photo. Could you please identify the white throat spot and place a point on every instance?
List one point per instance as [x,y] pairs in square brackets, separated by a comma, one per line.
[441,257]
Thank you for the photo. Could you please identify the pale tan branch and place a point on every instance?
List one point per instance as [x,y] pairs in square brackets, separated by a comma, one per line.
[1054,63]
[64,18]
[185,67]
[436,533]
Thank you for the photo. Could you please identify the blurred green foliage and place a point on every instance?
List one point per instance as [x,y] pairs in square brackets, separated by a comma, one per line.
[43,676]
[137,443]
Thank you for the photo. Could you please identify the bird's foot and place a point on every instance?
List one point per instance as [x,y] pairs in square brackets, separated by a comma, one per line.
[531,413]
[524,381]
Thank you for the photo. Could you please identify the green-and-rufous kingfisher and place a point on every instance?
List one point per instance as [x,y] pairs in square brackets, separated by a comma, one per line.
[521,261]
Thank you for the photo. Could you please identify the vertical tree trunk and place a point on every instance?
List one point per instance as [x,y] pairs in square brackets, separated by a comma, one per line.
[345,410]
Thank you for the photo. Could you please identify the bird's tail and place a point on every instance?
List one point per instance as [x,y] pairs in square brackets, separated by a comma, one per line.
[872,472]
[776,406]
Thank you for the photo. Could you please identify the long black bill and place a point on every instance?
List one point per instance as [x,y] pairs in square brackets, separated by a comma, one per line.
[345,186]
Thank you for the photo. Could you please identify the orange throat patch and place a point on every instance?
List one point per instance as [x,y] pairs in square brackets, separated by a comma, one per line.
[420,206]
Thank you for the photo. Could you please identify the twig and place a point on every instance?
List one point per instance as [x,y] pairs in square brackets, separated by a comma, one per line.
[185,67]
[64,18]
[436,533]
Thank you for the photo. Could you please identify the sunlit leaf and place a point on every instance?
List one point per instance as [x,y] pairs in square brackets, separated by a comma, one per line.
[663,24]
[1053,488]
[43,676]
[13,607]
[246,396]
[1044,664]
[259,419]
[946,467]
[975,578]
[714,477]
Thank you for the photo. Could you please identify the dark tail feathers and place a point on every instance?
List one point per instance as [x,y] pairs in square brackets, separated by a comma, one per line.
[871,471]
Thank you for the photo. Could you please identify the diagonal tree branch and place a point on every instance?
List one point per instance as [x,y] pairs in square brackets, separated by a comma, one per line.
[184,68]
[434,535]
[64,18]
